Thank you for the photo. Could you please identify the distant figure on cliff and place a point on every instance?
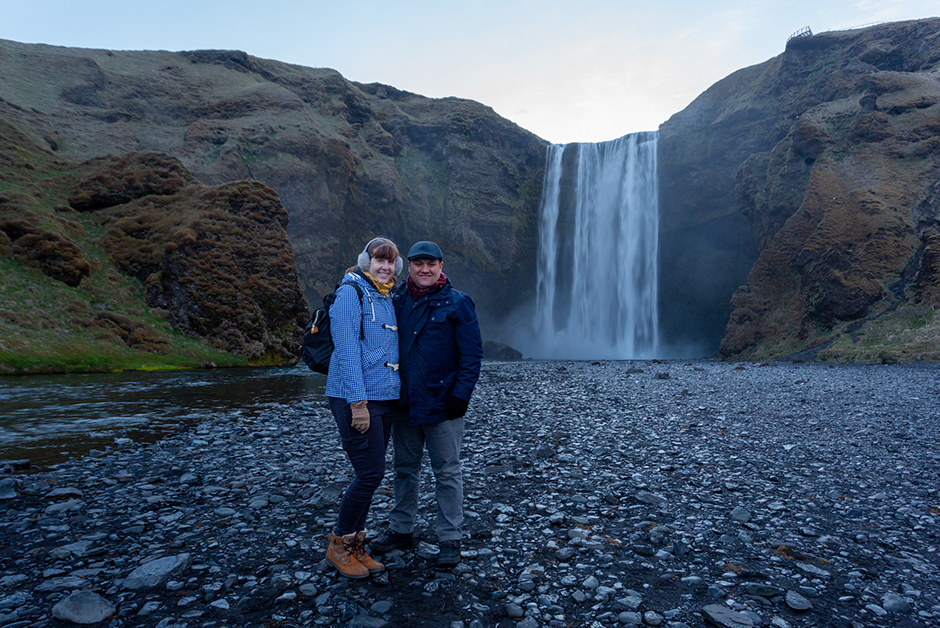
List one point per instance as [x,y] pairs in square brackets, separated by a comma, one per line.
[363,389]
[441,351]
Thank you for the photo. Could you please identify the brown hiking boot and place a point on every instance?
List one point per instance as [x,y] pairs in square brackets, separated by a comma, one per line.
[339,553]
[358,550]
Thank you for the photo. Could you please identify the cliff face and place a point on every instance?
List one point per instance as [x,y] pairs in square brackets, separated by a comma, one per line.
[211,262]
[830,155]
[799,197]
[348,161]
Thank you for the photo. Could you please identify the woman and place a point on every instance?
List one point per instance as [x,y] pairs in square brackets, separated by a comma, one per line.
[362,386]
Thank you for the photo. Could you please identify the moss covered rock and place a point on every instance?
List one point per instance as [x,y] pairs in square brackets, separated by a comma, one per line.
[217,260]
[155,271]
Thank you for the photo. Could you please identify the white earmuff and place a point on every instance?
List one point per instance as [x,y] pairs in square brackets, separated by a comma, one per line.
[363,260]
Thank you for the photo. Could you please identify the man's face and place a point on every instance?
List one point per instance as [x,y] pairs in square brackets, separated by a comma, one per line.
[425,272]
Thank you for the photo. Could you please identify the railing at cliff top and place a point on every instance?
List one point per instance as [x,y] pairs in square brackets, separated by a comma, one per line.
[806,31]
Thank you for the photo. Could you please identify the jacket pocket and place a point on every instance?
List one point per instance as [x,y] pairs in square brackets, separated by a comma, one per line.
[437,327]
[440,386]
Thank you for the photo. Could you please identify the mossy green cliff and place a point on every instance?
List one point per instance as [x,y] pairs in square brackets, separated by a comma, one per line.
[815,176]
[128,262]
[348,161]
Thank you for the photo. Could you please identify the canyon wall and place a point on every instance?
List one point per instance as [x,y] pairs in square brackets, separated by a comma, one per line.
[813,180]
[348,161]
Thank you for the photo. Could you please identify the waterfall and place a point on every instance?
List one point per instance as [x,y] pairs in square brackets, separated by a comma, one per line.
[598,241]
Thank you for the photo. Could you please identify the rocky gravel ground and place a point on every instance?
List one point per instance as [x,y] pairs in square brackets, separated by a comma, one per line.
[598,494]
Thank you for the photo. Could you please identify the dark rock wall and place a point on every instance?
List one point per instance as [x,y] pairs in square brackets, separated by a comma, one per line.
[348,161]
[816,170]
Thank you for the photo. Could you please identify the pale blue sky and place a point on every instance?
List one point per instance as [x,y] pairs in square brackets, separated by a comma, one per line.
[585,70]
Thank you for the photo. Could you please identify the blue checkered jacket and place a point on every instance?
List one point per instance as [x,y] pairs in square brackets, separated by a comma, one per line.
[362,369]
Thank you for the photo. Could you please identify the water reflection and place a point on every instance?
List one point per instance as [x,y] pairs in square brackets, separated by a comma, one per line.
[48,418]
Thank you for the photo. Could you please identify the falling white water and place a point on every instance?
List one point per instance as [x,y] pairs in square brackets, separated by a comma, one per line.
[598,242]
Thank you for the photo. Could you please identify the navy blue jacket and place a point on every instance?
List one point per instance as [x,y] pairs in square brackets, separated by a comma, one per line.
[440,350]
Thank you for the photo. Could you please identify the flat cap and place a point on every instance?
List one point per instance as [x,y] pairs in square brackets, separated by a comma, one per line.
[425,249]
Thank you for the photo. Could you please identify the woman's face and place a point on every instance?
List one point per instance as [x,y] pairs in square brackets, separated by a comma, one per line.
[381,269]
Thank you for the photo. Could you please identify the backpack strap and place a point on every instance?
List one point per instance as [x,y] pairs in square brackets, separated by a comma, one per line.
[362,329]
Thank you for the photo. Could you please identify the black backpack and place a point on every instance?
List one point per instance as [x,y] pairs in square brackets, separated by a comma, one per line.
[318,342]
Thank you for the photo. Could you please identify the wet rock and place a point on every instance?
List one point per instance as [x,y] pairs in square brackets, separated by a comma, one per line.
[894,603]
[813,571]
[630,603]
[83,607]
[650,498]
[724,617]
[11,466]
[70,505]
[762,590]
[64,583]
[157,572]
[740,515]
[543,451]
[797,602]
[7,489]
[365,621]
[65,492]
[79,548]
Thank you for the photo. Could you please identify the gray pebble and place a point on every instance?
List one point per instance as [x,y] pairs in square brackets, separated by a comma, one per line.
[894,603]
[83,607]
[797,602]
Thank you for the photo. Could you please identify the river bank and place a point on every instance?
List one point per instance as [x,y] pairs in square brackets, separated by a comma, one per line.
[597,494]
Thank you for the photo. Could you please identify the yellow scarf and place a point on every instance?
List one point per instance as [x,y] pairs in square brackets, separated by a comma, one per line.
[383,288]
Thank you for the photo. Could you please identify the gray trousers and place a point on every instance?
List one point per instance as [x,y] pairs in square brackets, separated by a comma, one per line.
[443,442]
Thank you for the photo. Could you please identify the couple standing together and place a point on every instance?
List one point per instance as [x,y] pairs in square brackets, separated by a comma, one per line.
[406,359]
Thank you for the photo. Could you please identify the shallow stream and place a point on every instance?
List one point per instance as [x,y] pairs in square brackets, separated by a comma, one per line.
[50,418]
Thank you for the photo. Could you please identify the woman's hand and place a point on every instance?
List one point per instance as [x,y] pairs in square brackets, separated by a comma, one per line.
[360,416]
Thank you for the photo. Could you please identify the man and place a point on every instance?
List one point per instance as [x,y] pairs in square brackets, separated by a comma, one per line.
[440,351]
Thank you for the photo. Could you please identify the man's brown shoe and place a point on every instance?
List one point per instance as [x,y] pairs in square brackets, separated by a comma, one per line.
[340,554]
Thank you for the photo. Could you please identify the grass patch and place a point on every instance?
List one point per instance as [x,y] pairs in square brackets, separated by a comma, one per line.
[911,332]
